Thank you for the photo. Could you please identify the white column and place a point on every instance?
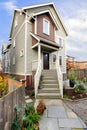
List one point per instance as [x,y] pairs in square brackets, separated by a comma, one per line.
[39,53]
[58,57]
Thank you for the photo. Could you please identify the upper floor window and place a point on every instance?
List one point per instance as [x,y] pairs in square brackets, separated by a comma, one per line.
[46,26]
[59,40]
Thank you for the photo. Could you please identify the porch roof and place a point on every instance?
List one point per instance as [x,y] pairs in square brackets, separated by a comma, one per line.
[46,42]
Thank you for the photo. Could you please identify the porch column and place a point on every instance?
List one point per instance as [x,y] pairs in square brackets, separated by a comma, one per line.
[58,57]
[39,53]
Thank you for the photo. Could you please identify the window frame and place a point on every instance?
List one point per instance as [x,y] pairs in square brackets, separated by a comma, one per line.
[60,60]
[48,29]
[21,52]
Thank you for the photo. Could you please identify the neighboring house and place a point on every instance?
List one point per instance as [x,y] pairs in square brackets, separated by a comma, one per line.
[72,63]
[80,65]
[0,65]
[37,41]
[6,58]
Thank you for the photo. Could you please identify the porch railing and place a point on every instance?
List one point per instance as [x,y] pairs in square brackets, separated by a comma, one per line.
[60,77]
[37,78]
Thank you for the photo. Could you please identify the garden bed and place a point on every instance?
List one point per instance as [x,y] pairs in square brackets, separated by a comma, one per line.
[71,94]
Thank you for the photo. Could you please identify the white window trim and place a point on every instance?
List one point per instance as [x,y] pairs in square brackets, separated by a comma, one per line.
[48,27]
[21,52]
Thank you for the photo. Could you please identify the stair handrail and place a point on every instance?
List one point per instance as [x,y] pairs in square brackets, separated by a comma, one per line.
[37,77]
[60,77]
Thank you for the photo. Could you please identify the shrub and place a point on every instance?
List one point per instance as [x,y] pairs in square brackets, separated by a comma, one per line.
[30,118]
[79,86]
[3,88]
[71,75]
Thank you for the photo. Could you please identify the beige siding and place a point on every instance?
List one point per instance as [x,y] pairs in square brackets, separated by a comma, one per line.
[31,53]
[20,19]
[18,68]
[62,53]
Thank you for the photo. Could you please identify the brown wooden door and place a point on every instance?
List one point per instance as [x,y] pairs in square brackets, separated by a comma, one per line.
[45,60]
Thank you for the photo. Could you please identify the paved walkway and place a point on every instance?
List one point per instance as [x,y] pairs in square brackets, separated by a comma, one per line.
[79,107]
[58,116]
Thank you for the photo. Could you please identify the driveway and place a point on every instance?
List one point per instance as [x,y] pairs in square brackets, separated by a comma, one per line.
[79,107]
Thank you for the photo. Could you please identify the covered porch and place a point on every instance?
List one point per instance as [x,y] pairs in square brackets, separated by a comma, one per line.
[47,54]
[47,59]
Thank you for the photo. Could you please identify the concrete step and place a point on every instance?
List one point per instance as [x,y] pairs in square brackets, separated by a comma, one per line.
[50,77]
[48,96]
[50,85]
[50,81]
[49,90]
[52,70]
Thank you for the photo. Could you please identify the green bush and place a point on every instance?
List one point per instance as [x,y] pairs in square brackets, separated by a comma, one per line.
[30,117]
[79,86]
[71,75]
[16,122]
[28,120]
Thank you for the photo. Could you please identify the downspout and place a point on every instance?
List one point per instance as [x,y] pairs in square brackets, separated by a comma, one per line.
[25,47]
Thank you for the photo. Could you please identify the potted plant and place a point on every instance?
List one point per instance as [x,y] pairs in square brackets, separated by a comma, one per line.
[41,107]
[71,78]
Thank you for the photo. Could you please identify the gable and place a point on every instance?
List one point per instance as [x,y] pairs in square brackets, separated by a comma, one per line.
[33,10]
[36,9]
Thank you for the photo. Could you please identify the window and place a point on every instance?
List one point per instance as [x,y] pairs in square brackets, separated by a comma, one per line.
[54,58]
[14,43]
[46,27]
[60,60]
[13,60]
[21,53]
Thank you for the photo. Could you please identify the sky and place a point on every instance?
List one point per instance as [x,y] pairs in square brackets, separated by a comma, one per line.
[72,12]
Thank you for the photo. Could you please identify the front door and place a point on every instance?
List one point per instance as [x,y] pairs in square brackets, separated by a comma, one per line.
[45,60]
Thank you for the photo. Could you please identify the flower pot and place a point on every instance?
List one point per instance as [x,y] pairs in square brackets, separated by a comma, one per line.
[71,83]
[22,128]
[40,110]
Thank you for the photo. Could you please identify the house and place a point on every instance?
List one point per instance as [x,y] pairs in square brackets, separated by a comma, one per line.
[72,63]
[37,39]
[80,65]
[6,58]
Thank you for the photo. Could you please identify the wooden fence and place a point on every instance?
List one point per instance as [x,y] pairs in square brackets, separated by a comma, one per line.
[79,73]
[7,104]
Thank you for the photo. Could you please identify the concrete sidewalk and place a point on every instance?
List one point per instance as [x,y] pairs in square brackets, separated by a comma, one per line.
[58,116]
